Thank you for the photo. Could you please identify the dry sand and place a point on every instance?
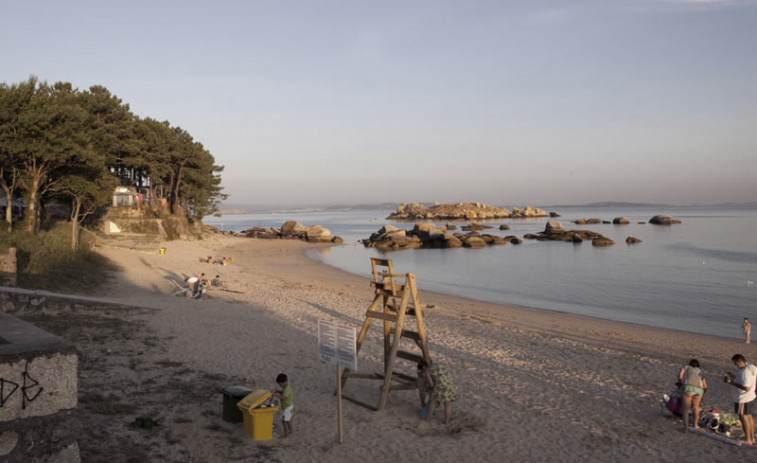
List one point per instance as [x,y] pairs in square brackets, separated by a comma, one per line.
[534,385]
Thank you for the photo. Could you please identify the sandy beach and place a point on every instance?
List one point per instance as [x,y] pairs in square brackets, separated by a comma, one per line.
[533,385]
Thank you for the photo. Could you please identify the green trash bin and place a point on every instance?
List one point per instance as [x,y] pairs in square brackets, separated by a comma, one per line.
[231,396]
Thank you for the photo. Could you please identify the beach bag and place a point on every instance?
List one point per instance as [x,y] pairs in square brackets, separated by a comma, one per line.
[674,403]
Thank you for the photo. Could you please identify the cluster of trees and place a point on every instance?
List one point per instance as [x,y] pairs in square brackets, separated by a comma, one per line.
[59,143]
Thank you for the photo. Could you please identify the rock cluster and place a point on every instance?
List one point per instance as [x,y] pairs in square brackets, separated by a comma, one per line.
[294,231]
[660,219]
[428,235]
[587,221]
[461,211]
[555,231]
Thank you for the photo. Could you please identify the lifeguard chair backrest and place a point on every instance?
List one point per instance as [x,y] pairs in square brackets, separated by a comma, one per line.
[383,276]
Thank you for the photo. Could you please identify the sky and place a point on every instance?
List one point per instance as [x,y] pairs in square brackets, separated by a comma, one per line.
[360,102]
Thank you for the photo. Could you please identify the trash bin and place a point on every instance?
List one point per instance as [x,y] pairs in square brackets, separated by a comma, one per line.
[231,396]
[162,251]
[258,415]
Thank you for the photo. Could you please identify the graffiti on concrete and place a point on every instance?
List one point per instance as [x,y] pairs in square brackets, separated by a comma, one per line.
[29,387]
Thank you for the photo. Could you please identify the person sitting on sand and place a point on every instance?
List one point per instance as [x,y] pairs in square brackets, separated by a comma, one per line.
[693,387]
[201,288]
[443,390]
[217,282]
[192,284]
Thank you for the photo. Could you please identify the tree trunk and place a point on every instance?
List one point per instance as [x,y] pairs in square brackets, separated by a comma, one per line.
[8,206]
[30,215]
[33,186]
[175,193]
[75,209]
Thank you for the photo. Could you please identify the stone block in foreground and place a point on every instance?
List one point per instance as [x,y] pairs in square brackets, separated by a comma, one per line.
[38,388]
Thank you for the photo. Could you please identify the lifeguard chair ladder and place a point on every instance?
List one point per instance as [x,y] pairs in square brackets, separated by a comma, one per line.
[396,302]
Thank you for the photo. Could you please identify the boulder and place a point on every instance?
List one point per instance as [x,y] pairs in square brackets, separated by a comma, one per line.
[318,234]
[663,219]
[632,240]
[292,228]
[554,215]
[504,226]
[621,221]
[451,241]
[553,227]
[602,241]
[388,228]
[474,242]
[423,230]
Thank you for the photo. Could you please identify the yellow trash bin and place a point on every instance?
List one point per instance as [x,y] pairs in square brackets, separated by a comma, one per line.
[258,414]
[162,251]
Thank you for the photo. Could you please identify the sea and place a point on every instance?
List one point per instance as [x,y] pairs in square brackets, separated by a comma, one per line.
[697,276]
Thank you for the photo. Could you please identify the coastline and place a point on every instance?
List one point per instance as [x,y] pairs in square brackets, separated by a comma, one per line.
[534,384]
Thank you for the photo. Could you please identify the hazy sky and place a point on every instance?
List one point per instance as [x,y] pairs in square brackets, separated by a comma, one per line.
[503,102]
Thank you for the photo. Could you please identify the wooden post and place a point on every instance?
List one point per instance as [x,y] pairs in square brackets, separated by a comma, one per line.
[340,424]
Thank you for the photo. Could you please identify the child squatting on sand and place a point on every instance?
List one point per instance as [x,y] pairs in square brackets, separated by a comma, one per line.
[435,381]
[286,398]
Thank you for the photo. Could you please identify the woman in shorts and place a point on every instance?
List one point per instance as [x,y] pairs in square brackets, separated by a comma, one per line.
[693,386]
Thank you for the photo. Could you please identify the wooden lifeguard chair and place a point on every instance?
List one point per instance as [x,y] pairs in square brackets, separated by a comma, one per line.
[397,303]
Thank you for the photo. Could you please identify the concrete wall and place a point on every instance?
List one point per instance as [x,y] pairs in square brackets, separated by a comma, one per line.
[38,379]
[38,393]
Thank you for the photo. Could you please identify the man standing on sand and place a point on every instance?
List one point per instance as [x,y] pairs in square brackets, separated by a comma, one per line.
[743,394]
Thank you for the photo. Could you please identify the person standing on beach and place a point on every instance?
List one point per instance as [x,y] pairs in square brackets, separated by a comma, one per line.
[693,387]
[285,395]
[743,394]
[747,327]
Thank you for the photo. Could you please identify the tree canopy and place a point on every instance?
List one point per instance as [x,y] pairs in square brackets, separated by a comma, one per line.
[59,142]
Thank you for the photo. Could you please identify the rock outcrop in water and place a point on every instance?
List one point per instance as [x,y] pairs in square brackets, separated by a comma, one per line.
[294,231]
[663,219]
[555,231]
[428,235]
[462,211]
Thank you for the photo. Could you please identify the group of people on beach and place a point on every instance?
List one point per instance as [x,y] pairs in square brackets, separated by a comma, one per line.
[197,287]
[693,385]
[221,261]
[435,387]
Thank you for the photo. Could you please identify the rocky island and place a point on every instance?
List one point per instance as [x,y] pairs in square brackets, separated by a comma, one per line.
[294,231]
[462,211]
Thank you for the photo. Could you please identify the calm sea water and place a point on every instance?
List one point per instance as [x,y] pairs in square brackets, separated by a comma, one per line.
[696,276]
